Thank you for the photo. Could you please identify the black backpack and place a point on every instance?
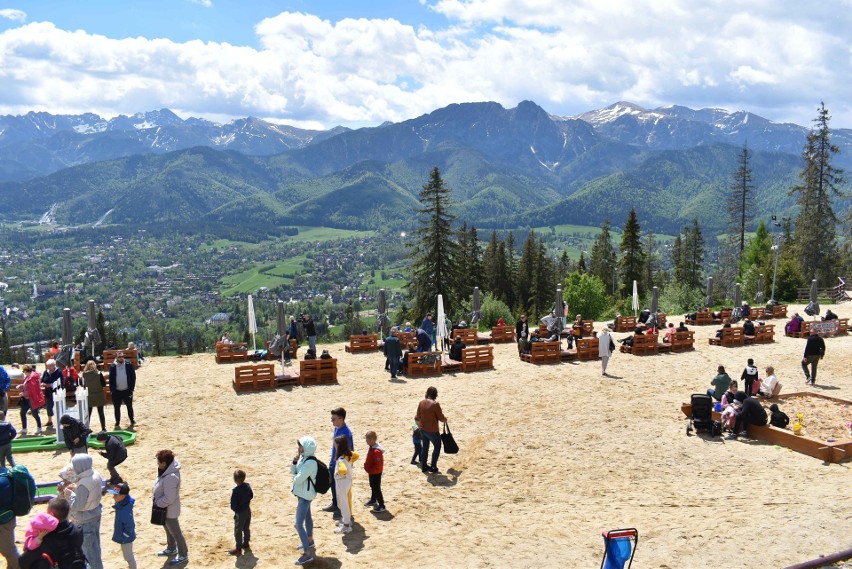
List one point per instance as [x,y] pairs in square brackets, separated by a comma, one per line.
[23,492]
[322,484]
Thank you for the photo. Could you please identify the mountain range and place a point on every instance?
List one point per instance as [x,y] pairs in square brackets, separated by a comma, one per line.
[506,167]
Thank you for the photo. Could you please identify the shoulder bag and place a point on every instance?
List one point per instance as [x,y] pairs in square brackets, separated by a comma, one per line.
[450,446]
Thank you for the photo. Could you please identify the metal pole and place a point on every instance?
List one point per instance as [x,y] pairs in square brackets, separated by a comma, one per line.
[775,271]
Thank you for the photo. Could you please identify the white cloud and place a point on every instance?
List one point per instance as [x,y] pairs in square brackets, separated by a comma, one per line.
[13,14]
[567,55]
[205,3]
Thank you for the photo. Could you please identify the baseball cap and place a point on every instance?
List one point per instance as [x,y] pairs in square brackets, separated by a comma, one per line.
[121,488]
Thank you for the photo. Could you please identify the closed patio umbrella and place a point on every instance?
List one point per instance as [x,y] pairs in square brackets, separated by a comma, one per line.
[278,345]
[382,320]
[559,312]
[708,300]
[635,299]
[252,323]
[441,324]
[737,312]
[67,331]
[476,312]
[812,309]
[92,335]
[280,320]
[758,298]
[655,307]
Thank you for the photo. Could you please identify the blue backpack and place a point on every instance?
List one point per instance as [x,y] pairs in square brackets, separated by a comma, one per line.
[23,489]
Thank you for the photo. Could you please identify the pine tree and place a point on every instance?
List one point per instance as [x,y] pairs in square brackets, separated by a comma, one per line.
[694,256]
[632,255]
[434,254]
[489,266]
[741,201]
[814,237]
[472,268]
[651,269]
[526,285]
[5,344]
[602,258]
[581,262]
[511,271]
[563,267]
[677,257]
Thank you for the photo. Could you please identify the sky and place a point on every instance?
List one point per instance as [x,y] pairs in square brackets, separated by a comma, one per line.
[322,63]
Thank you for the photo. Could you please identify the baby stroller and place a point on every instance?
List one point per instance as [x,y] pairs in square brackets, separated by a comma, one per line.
[702,416]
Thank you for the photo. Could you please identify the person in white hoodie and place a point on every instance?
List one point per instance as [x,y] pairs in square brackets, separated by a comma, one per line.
[84,497]
[304,470]
[167,495]
[749,376]
[605,348]
[343,481]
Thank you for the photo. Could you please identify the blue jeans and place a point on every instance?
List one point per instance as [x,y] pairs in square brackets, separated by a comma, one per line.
[304,522]
[92,542]
[312,343]
[394,366]
[435,439]
[331,464]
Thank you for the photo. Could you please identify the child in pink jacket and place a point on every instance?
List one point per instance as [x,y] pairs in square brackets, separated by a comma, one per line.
[39,526]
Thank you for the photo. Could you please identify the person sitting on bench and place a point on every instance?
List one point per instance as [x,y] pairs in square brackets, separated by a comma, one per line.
[456,349]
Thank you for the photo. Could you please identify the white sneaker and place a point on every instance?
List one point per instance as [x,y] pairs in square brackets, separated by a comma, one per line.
[22,433]
[38,432]
[343,528]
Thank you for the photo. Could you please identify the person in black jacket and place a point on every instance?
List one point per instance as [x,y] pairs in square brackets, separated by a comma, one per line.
[75,433]
[51,379]
[122,382]
[456,349]
[814,352]
[751,413]
[310,331]
[522,332]
[63,547]
[115,452]
[241,497]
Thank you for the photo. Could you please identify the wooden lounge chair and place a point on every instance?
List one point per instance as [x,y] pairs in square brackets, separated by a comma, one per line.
[225,353]
[587,349]
[424,364]
[682,341]
[625,324]
[475,358]
[731,338]
[363,343]
[543,353]
[503,335]
[643,344]
[258,377]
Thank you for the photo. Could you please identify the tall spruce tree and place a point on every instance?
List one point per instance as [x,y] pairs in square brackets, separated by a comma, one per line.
[632,255]
[741,201]
[694,255]
[525,276]
[490,269]
[814,237]
[603,256]
[434,252]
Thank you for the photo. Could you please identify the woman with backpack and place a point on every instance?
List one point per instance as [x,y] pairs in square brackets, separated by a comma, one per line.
[305,468]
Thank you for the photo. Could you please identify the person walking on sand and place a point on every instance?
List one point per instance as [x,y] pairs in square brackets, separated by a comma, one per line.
[605,348]
[814,352]
[428,414]
[32,398]
[304,470]
[122,382]
[241,497]
[167,495]
[338,419]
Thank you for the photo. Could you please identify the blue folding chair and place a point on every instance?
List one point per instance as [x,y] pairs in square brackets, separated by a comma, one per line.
[619,547]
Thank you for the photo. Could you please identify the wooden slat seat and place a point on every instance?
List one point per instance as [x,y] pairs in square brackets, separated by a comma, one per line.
[779,311]
[724,314]
[587,349]
[417,367]
[363,343]
[625,324]
[757,313]
[109,357]
[450,366]
[543,353]
[408,340]
[475,358]
[702,318]
[226,353]
[317,372]
[842,326]
[468,335]
[731,338]
[258,377]
[682,341]
[763,334]
[643,344]
[503,335]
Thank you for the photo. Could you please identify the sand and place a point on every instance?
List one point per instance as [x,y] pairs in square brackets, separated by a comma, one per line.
[550,456]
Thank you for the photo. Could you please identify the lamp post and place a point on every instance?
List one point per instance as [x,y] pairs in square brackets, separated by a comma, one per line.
[777,240]
[775,271]
[612,266]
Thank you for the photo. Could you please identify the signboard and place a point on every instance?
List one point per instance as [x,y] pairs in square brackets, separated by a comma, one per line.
[825,329]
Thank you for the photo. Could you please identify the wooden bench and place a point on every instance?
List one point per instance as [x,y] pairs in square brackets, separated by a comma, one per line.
[258,377]
[682,341]
[227,353]
[763,334]
[408,340]
[317,372]
[468,335]
[702,318]
[543,353]
[450,366]
[842,326]
[109,357]
[475,358]
[724,314]
[625,324]
[419,368]
[503,335]
[779,311]
[587,349]
[363,343]
[643,344]
[758,313]
[14,394]
[588,328]
[731,337]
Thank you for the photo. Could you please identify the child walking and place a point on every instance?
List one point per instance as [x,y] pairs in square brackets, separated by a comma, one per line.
[374,465]
[343,481]
[124,531]
[416,439]
[7,435]
[241,497]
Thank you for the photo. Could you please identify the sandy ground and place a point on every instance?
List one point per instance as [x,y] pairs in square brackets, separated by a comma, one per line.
[550,456]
